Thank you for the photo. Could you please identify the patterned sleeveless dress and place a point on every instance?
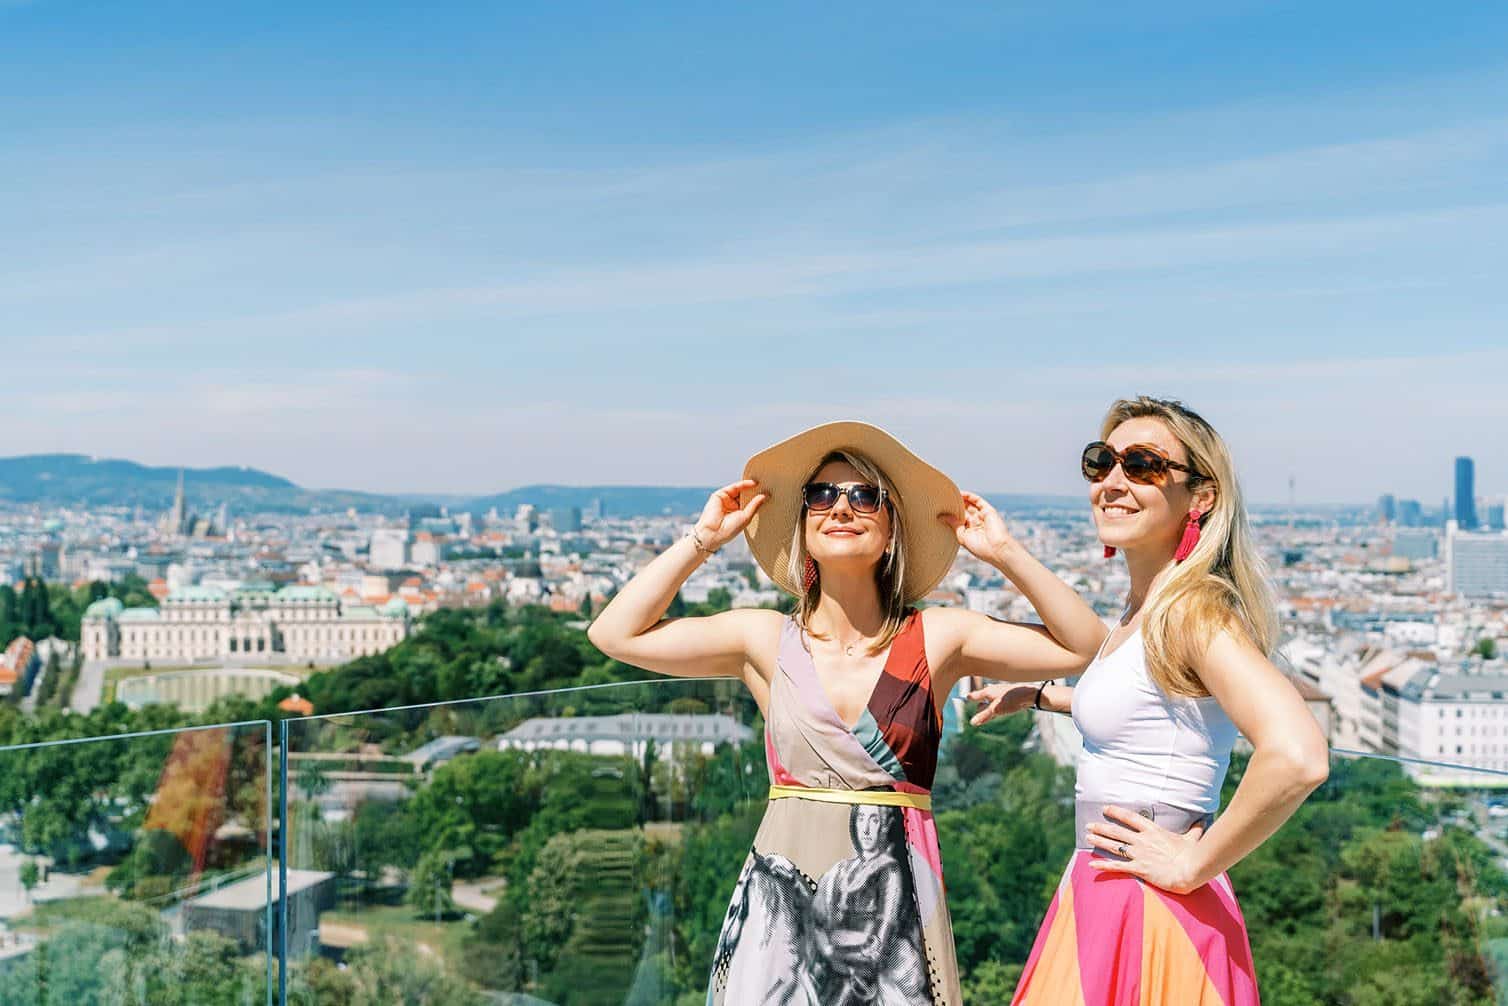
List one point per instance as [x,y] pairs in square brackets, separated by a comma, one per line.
[841,902]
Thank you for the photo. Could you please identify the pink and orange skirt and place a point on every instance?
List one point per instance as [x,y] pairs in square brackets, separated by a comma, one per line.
[1112,940]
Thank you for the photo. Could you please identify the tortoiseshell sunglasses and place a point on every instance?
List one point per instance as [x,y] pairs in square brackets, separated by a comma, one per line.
[1143,464]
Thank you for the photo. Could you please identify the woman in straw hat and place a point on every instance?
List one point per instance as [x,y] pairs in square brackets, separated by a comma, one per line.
[1144,911]
[841,898]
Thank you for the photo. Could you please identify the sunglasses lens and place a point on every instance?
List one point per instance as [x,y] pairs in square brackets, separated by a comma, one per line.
[864,499]
[819,495]
[1097,462]
[1144,467]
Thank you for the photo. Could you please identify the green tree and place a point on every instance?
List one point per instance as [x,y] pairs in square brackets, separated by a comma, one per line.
[586,920]
[205,969]
[491,952]
[710,858]
[387,834]
[388,973]
[10,614]
[313,780]
[992,982]
[429,884]
[52,674]
[158,863]
[477,803]
[29,875]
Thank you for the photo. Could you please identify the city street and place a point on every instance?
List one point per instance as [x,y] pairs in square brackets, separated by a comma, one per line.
[90,687]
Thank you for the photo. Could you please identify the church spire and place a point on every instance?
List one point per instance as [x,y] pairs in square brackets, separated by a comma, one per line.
[179,510]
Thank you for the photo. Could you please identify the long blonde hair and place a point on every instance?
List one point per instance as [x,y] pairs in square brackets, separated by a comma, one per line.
[1224,583]
[889,575]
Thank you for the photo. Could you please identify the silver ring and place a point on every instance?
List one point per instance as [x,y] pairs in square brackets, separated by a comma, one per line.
[1121,849]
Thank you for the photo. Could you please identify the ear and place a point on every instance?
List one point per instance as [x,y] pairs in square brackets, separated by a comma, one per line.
[1204,498]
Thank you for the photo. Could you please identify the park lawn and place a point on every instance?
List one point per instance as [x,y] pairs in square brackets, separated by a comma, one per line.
[400,923]
[114,674]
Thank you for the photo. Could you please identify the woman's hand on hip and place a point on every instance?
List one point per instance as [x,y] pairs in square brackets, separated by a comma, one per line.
[728,512]
[1162,858]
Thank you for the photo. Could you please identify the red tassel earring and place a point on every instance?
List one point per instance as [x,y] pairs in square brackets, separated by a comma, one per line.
[1190,537]
[1109,551]
[808,575]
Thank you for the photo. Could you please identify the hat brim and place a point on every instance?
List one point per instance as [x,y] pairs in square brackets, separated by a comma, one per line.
[920,491]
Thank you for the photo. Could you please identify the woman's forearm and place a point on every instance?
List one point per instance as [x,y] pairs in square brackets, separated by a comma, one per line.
[644,599]
[1274,785]
[1057,699]
[1063,612]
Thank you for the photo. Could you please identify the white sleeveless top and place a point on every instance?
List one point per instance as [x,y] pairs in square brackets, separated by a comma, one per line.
[1140,745]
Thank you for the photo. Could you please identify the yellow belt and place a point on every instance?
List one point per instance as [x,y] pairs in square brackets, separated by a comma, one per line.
[882,797]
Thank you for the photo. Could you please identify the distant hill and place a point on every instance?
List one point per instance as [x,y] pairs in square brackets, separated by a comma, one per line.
[74,479]
[77,479]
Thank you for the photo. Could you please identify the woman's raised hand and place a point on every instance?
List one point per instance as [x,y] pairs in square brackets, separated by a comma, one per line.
[728,512]
[1000,699]
[981,530]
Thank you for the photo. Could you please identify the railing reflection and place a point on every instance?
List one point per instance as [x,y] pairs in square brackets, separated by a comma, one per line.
[136,868]
[569,845]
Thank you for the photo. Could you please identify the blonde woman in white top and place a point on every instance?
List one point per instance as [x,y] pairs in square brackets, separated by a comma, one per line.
[1145,911]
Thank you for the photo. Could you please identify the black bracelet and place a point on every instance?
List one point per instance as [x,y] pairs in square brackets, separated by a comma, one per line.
[1037,699]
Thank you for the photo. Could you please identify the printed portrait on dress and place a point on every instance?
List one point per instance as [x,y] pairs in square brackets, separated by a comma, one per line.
[851,937]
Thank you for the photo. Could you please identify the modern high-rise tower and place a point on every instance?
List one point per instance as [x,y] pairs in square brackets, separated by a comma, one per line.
[1466,494]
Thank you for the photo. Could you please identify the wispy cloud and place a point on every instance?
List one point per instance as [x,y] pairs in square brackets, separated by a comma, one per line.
[508,313]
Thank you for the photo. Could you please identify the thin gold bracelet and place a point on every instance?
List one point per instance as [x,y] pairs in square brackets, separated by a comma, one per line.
[696,540]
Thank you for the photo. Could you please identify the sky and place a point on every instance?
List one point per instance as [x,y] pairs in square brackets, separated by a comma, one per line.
[461,248]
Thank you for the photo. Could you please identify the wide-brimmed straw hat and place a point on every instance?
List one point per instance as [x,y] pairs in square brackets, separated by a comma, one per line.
[918,491]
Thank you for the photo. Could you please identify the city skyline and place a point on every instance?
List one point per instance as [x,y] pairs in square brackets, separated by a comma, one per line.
[1447,508]
[530,251]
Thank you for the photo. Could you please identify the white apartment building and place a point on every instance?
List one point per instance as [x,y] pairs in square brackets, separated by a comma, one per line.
[1427,714]
[1457,717]
[1476,564]
[295,624]
[389,548]
[627,733]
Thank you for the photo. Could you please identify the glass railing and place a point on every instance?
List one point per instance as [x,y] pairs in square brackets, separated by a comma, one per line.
[580,847]
[572,846]
[138,869]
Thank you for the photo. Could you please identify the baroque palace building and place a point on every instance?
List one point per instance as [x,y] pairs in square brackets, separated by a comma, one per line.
[294,624]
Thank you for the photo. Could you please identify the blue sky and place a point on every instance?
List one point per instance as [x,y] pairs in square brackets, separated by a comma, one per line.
[393,248]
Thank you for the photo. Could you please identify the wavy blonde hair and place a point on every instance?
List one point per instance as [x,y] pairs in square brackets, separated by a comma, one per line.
[889,575]
[1224,583]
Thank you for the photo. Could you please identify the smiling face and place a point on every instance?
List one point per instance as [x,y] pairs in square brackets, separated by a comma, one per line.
[840,537]
[1130,516]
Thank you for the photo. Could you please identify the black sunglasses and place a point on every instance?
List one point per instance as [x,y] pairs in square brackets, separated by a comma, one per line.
[1143,464]
[862,497]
